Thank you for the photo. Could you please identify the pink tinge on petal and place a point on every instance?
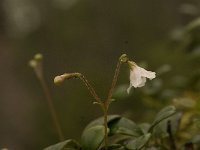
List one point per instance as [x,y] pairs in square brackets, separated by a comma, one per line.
[135,77]
[143,81]
[138,76]
[148,74]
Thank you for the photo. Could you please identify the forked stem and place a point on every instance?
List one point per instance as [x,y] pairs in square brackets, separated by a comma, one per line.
[103,104]
[123,59]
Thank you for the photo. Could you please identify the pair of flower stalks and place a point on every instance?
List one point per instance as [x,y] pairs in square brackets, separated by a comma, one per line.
[138,77]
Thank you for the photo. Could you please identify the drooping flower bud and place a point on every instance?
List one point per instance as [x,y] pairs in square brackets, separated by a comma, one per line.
[38,57]
[32,63]
[36,64]
[61,78]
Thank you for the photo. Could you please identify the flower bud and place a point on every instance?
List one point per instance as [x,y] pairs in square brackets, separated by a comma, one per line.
[32,63]
[38,57]
[59,79]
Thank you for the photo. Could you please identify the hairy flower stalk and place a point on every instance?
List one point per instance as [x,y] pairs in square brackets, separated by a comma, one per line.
[122,59]
[108,101]
[36,64]
[61,78]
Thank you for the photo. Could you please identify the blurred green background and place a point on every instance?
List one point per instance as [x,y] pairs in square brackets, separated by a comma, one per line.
[88,36]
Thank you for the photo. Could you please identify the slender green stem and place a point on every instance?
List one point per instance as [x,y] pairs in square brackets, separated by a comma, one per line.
[52,108]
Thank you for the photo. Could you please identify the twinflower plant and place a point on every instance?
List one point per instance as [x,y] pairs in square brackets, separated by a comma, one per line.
[138,77]
[110,132]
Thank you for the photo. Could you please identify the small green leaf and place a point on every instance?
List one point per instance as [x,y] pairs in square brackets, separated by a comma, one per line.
[124,126]
[138,143]
[162,115]
[100,121]
[119,139]
[92,137]
[136,132]
[65,145]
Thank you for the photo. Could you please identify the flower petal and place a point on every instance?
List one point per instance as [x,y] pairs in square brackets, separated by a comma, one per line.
[135,77]
[138,76]
[129,88]
[148,74]
[142,82]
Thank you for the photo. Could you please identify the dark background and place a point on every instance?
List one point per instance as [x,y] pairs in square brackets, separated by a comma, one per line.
[86,36]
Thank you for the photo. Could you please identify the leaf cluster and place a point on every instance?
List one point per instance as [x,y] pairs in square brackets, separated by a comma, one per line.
[124,134]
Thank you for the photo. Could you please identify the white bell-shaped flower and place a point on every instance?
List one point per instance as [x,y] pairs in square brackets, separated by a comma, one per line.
[138,75]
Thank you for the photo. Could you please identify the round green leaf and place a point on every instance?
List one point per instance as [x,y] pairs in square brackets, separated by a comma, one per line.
[124,126]
[100,121]
[138,143]
[92,137]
